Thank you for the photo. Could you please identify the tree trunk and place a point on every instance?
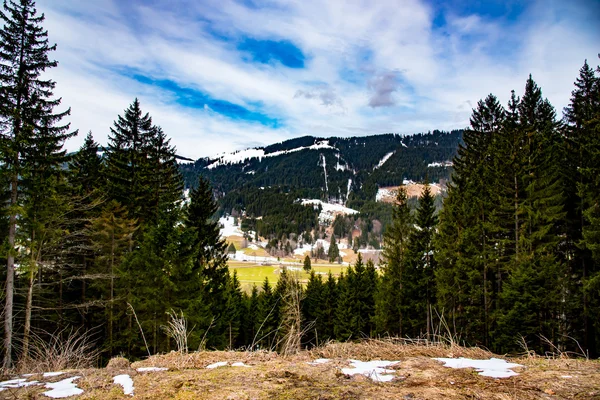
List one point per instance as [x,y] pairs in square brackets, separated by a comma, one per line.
[10,276]
[28,305]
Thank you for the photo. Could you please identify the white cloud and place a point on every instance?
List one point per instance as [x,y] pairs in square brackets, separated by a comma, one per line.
[360,55]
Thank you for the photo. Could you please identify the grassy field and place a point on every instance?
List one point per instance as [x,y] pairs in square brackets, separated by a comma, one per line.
[251,274]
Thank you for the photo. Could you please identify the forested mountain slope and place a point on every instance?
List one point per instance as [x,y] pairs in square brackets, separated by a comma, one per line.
[336,169]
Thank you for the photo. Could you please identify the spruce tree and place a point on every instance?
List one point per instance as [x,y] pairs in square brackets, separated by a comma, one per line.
[128,170]
[334,252]
[27,118]
[580,177]
[312,310]
[390,297]
[306,266]
[209,258]
[418,279]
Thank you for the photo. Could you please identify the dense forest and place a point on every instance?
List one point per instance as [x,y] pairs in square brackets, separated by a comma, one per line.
[107,248]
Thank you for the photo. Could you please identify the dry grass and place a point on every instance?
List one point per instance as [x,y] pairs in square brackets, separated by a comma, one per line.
[273,376]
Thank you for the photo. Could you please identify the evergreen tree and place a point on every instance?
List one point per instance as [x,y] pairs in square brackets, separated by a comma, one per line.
[267,322]
[334,252]
[209,259]
[466,240]
[112,238]
[27,119]
[580,177]
[307,266]
[329,308]
[390,297]
[312,310]
[128,169]
[418,279]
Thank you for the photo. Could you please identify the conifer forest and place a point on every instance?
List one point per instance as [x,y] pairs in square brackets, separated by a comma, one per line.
[101,243]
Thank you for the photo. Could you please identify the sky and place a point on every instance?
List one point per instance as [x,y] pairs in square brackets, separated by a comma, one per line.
[224,75]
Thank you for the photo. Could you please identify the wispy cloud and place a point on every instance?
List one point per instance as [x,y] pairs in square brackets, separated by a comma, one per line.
[219,75]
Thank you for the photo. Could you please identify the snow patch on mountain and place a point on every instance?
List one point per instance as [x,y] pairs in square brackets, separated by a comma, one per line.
[440,164]
[383,160]
[328,210]
[244,155]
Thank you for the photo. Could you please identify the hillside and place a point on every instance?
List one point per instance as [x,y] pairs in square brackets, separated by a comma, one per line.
[336,169]
[335,371]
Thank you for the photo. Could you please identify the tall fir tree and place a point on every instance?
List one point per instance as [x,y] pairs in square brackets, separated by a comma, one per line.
[209,259]
[390,296]
[27,119]
[418,279]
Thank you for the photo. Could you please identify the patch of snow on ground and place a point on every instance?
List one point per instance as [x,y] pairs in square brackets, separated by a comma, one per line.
[151,369]
[51,374]
[228,228]
[239,364]
[319,361]
[383,160]
[493,368]
[125,381]
[329,210]
[217,365]
[64,388]
[383,193]
[253,246]
[372,369]
[241,256]
[16,383]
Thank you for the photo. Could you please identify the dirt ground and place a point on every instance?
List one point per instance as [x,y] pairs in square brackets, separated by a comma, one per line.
[271,376]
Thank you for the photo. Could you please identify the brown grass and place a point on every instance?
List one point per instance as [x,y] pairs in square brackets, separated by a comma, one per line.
[273,376]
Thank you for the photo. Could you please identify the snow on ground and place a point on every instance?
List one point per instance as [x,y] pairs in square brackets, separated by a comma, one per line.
[329,210]
[494,367]
[383,160]
[217,365]
[372,369]
[16,383]
[51,374]
[383,193]
[125,381]
[225,363]
[440,164]
[151,369]
[241,256]
[228,228]
[239,364]
[319,361]
[64,388]
[244,155]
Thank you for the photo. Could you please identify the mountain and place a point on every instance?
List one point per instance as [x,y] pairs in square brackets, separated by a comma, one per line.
[332,169]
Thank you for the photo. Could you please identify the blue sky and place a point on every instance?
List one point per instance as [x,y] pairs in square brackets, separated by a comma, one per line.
[222,75]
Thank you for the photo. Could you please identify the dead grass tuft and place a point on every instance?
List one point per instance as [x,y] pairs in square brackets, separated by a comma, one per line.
[395,349]
[118,363]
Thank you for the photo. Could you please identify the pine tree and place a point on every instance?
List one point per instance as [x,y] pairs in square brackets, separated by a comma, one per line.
[334,252]
[209,258]
[112,238]
[312,310]
[128,169]
[390,298]
[26,113]
[267,321]
[581,148]
[307,266]
[418,279]
[466,241]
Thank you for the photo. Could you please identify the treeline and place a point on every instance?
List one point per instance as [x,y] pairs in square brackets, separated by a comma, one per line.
[518,240]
